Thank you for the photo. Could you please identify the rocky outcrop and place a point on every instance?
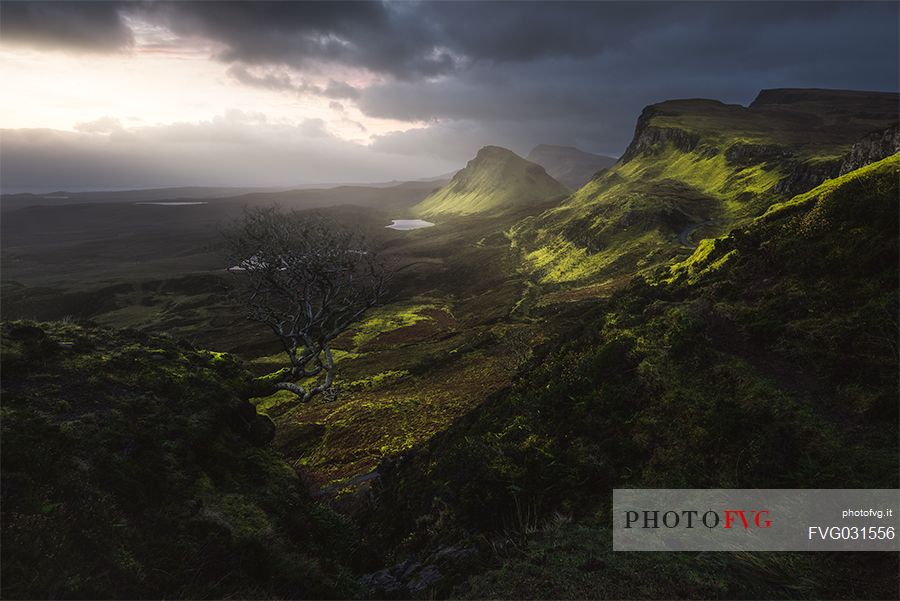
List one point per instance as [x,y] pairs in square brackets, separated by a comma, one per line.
[806,176]
[648,139]
[411,579]
[874,147]
[744,154]
[802,177]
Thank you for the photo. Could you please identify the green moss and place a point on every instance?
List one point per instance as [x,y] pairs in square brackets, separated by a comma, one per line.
[495,180]
[712,254]
[830,186]
[710,174]
[273,404]
[707,258]
[560,261]
[243,518]
[393,411]
[130,470]
[379,379]
[389,318]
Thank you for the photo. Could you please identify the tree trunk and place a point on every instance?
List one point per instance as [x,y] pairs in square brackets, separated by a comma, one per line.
[295,388]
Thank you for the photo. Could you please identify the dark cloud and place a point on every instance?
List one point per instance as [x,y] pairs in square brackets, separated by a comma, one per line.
[381,37]
[281,81]
[413,40]
[79,26]
[340,89]
[270,80]
[594,101]
[512,74]
[403,40]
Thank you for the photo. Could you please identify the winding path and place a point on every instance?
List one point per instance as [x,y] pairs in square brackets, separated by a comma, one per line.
[331,490]
[684,236]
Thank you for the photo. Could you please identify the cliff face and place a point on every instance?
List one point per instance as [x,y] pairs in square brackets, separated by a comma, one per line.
[805,176]
[874,147]
[697,167]
[803,132]
[648,138]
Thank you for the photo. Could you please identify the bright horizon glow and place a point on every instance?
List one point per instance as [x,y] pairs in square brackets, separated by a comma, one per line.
[157,85]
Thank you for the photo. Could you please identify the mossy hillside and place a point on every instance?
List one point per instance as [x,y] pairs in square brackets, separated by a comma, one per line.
[840,210]
[560,261]
[869,182]
[810,123]
[696,163]
[453,337]
[870,175]
[399,389]
[631,218]
[778,369]
[495,180]
[130,469]
[398,317]
[194,306]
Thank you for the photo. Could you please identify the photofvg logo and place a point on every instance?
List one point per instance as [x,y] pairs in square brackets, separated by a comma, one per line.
[688,518]
[755,520]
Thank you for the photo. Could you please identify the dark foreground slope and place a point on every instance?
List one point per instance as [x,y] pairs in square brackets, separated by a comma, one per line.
[131,469]
[769,359]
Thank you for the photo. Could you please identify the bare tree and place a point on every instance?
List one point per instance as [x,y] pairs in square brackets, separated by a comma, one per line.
[307,278]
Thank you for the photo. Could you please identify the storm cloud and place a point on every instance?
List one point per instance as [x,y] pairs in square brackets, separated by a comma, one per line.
[83,26]
[505,73]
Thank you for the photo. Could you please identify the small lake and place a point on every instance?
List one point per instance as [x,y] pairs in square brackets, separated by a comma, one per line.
[172,203]
[408,224]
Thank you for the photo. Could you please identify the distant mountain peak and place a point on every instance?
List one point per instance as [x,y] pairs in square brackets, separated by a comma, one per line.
[495,151]
[497,179]
[569,165]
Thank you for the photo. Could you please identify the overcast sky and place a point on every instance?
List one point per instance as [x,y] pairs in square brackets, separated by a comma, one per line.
[101,95]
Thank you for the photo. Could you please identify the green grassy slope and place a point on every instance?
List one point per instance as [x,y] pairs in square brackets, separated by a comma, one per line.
[769,360]
[696,168]
[497,179]
[449,339]
[131,468]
